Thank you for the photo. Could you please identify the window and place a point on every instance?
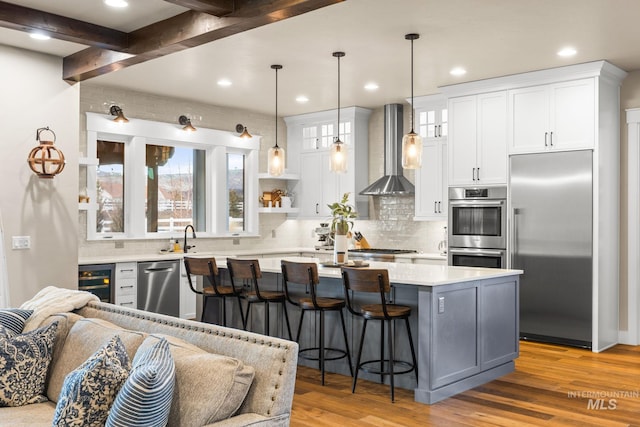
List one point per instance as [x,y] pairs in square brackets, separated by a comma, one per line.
[152,180]
[235,191]
[171,175]
[110,187]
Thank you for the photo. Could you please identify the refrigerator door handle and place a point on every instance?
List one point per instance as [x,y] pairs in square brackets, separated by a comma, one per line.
[514,236]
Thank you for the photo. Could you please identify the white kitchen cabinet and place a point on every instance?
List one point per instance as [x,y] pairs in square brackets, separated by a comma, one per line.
[432,119]
[477,141]
[553,117]
[309,138]
[187,296]
[431,182]
[126,278]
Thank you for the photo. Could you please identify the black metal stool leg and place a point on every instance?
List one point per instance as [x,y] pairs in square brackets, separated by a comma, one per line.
[391,358]
[382,351]
[346,342]
[223,301]
[321,347]
[204,307]
[355,374]
[302,312]
[413,351]
[266,318]
[242,319]
[286,318]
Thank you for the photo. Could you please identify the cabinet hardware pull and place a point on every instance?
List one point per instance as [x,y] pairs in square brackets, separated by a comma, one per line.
[317,208]
[545,139]
[127,303]
[478,173]
[551,138]
[439,207]
[435,207]
[126,287]
[473,174]
[126,269]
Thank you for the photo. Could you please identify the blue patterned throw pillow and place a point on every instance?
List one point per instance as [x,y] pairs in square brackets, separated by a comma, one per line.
[24,362]
[145,398]
[14,319]
[89,391]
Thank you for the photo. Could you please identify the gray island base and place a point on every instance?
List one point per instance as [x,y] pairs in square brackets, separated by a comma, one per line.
[464,322]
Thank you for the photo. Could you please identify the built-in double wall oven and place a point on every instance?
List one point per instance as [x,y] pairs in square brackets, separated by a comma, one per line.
[477,227]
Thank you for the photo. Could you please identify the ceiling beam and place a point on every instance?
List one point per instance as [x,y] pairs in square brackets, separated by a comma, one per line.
[181,32]
[60,27]
[212,7]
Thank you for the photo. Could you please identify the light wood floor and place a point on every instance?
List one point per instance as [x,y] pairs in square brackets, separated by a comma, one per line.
[536,394]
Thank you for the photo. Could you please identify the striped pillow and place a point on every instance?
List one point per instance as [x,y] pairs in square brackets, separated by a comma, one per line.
[145,398]
[14,319]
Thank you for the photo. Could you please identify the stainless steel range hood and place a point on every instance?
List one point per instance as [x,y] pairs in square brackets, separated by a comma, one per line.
[393,183]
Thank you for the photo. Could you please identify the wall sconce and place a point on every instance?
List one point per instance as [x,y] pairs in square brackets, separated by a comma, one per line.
[117,111]
[186,122]
[242,130]
[46,160]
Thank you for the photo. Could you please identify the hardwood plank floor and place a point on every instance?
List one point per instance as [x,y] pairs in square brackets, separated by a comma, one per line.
[551,386]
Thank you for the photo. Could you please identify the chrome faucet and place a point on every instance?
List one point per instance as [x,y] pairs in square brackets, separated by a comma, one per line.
[185,247]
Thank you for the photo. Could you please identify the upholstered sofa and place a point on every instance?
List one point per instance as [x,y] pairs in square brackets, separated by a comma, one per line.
[273,361]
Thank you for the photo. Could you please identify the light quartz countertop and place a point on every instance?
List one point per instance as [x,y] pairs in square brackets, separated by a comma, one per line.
[257,252]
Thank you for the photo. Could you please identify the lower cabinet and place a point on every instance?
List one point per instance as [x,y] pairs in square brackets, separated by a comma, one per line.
[126,284]
[473,330]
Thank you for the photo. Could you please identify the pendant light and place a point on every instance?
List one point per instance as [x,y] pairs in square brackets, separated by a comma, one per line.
[412,142]
[338,161]
[276,154]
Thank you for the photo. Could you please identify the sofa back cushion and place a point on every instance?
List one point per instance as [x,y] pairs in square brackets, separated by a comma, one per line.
[209,387]
[85,338]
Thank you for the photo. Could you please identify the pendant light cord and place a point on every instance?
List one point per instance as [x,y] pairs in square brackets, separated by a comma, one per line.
[413,111]
[276,107]
[338,55]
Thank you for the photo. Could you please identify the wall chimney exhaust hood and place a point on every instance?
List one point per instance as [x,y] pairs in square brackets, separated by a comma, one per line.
[393,183]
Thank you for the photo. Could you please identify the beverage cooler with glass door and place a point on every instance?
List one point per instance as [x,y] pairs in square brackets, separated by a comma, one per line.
[98,279]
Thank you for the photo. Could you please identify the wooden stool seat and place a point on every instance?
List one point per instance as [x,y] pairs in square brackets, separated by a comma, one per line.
[222,290]
[376,311]
[271,296]
[376,281]
[324,303]
[305,274]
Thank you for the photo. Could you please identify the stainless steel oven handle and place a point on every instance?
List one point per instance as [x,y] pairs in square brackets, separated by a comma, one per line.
[472,203]
[476,252]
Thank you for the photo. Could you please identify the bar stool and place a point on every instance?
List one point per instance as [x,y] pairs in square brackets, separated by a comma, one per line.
[306,274]
[208,269]
[377,281]
[249,269]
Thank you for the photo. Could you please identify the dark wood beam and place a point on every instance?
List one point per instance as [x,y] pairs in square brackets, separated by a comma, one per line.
[181,32]
[59,27]
[212,7]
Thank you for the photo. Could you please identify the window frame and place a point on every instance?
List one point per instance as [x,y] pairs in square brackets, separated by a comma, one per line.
[135,135]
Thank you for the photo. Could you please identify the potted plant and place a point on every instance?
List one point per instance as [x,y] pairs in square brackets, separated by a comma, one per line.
[342,214]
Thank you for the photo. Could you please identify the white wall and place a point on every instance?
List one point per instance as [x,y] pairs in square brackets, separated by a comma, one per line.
[33,95]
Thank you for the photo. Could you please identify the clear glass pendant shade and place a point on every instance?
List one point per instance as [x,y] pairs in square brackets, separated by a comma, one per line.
[411,151]
[276,161]
[338,161]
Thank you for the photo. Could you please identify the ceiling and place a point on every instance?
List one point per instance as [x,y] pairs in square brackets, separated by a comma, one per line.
[499,38]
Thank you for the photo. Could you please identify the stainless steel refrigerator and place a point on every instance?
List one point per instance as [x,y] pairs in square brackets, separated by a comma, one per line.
[552,241]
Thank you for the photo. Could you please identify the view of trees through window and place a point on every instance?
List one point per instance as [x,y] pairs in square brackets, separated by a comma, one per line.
[235,187]
[171,175]
[110,187]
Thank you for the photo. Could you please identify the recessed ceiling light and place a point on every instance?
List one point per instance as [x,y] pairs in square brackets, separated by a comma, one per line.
[116,3]
[567,51]
[39,36]
[302,99]
[371,86]
[458,71]
[224,82]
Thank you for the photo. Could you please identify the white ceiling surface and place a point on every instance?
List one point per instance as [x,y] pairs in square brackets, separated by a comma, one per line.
[489,38]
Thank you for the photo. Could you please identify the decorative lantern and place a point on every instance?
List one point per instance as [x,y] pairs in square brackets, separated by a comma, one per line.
[46,160]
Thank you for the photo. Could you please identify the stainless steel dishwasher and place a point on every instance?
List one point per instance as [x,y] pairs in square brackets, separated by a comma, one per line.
[159,287]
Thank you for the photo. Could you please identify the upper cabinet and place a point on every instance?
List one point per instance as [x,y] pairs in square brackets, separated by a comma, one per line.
[432,124]
[309,139]
[478,139]
[559,116]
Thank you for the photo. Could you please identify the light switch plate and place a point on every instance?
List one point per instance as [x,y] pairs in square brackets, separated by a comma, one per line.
[440,305]
[21,242]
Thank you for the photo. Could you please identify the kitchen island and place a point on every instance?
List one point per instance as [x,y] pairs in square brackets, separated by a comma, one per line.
[465,322]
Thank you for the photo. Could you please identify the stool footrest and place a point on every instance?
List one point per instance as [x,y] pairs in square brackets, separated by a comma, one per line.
[406,367]
[303,353]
